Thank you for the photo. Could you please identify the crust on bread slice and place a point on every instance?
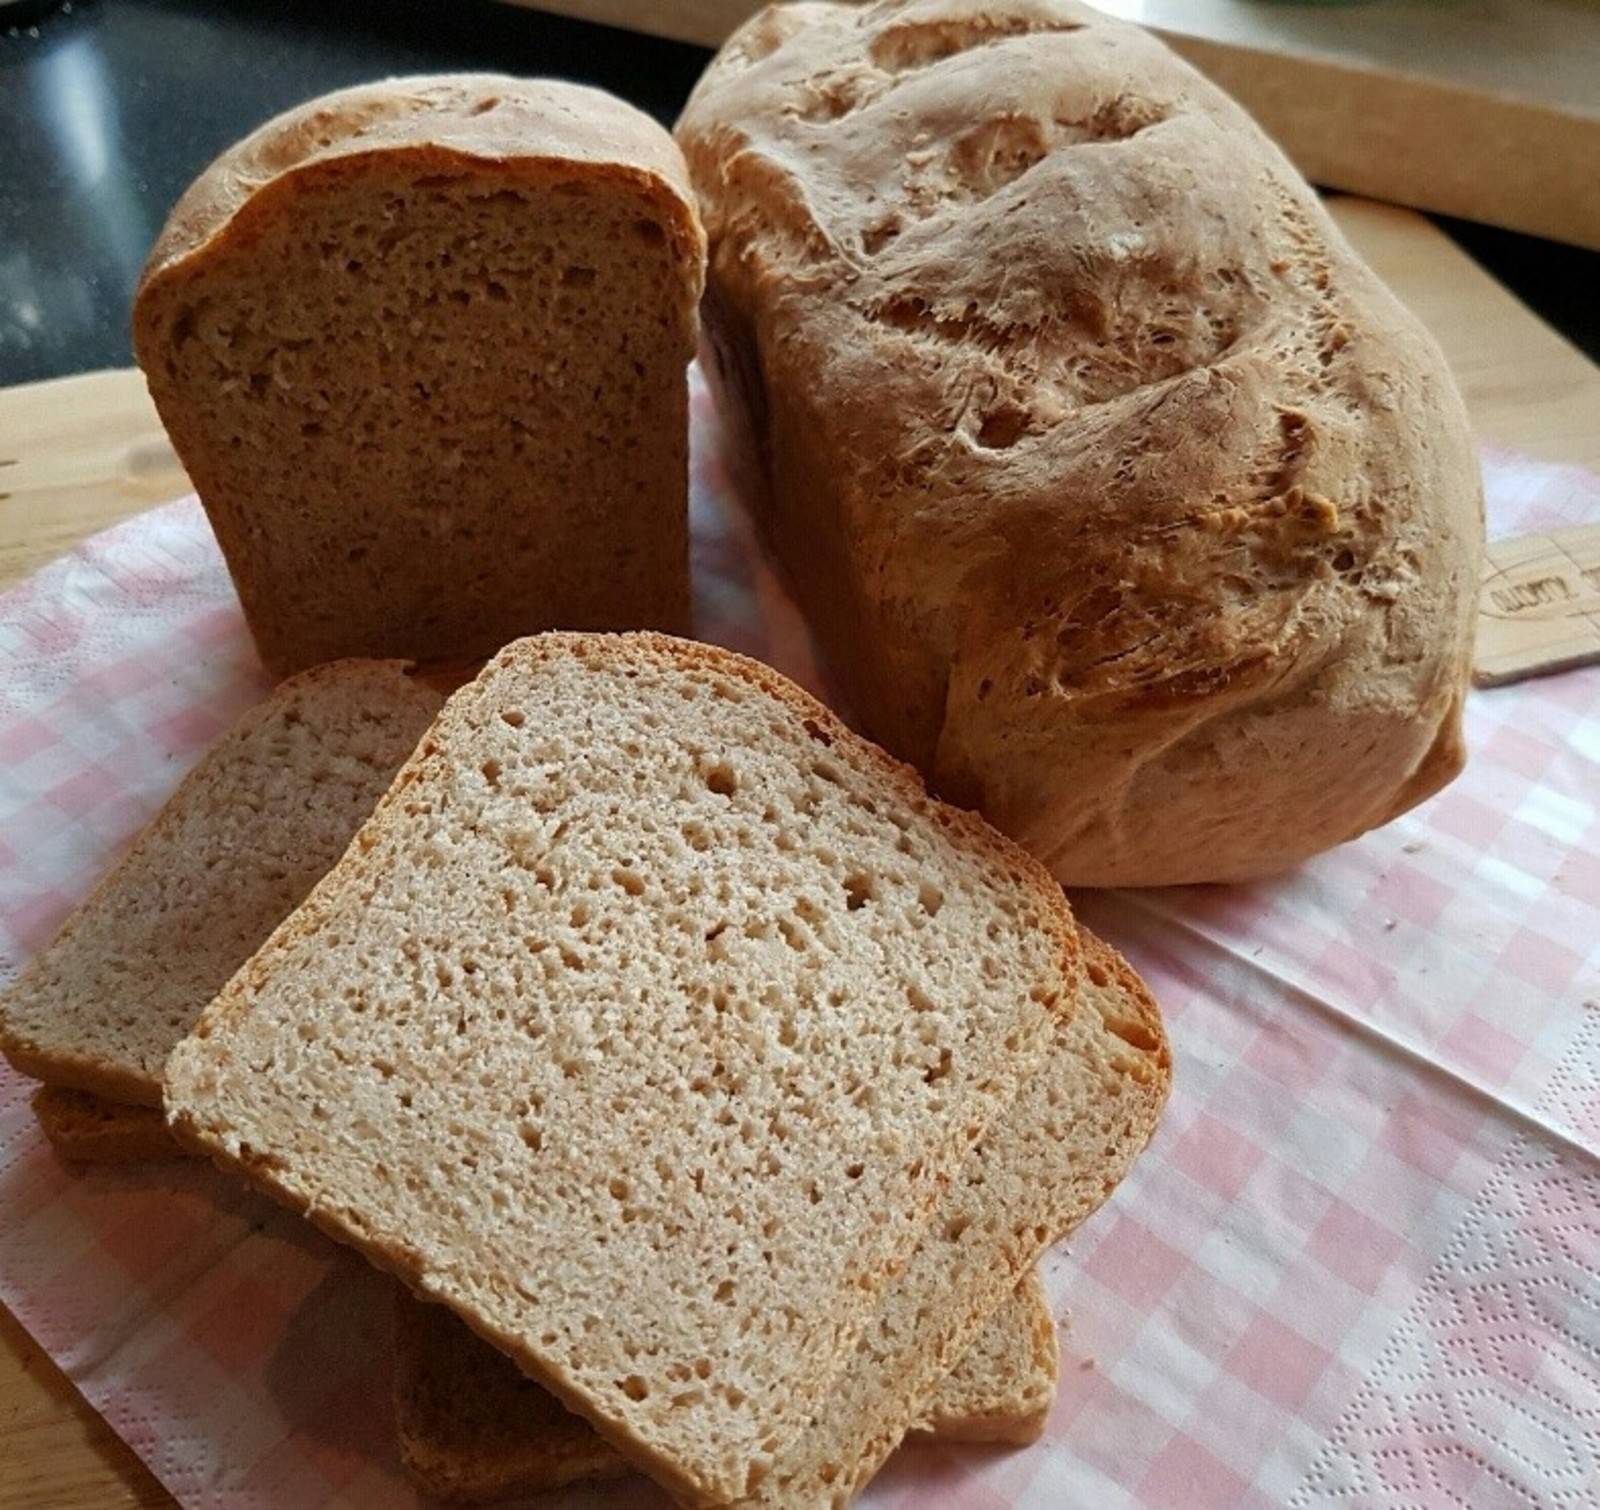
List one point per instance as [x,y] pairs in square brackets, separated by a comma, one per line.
[473,1428]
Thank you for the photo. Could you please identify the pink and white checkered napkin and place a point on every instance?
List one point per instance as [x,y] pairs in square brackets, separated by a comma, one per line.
[1359,1266]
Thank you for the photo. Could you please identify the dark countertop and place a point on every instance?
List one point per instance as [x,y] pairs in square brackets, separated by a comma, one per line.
[109,109]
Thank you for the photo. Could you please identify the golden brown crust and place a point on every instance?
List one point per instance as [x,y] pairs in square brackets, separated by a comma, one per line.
[542,126]
[86,1129]
[1123,498]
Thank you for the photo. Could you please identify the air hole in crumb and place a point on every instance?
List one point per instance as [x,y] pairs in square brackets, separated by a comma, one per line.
[1002,428]
[533,1138]
[491,772]
[515,717]
[931,898]
[578,277]
[1099,975]
[634,1387]
[619,1188]
[722,779]
[697,836]
[955,1227]
[630,881]
[724,1295]
[855,1171]
[1134,1034]
[859,890]
[818,733]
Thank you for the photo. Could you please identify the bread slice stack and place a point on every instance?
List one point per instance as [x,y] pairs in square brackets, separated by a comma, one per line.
[473,1428]
[672,1037]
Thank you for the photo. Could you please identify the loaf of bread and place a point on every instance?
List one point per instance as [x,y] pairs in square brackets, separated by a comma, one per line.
[644,1024]
[1122,497]
[422,347]
[472,1428]
[257,821]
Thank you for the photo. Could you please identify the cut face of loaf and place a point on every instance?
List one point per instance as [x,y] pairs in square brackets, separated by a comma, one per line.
[1120,495]
[642,1026]
[263,814]
[422,346]
[473,1428]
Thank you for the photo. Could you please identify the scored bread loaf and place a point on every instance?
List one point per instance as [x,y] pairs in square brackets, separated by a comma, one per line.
[87,1129]
[473,1428]
[263,813]
[1040,1170]
[1122,497]
[643,1025]
[422,346]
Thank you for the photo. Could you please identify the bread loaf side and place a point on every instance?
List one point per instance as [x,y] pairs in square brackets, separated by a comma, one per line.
[1122,497]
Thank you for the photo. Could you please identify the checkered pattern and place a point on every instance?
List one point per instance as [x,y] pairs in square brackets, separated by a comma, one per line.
[1360,1264]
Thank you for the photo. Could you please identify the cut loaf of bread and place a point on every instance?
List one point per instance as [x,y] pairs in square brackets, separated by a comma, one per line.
[472,1427]
[423,345]
[643,1025]
[87,1129]
[262,815]
[1051,1160]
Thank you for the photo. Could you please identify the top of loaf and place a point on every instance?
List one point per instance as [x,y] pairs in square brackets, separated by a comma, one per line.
[1124,434]
[546,124]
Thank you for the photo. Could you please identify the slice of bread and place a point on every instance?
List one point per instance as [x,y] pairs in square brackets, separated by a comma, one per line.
[423,347]
[473,1428]
[643,1025]
[1057,1154]
[87,1129]
[249,830]
[1005,1384]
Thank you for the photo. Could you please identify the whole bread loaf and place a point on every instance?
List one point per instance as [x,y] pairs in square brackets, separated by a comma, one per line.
[422,346]
[1124,499]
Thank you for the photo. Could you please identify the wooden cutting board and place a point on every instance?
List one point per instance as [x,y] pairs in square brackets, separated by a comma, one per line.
[82,452]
